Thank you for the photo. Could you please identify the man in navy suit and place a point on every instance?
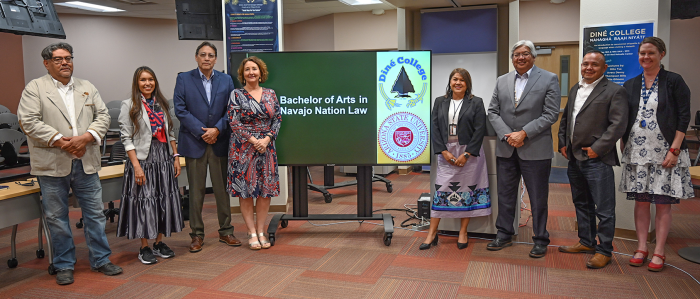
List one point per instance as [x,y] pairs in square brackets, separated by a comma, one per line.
[201,101]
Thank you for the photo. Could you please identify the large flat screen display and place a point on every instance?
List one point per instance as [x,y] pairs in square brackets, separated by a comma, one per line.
[352,108]
[30,17]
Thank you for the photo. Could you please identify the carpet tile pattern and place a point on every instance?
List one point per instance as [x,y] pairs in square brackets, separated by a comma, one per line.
[347,259]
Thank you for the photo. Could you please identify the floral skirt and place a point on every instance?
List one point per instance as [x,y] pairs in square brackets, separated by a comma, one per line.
[252,174]
[654,183]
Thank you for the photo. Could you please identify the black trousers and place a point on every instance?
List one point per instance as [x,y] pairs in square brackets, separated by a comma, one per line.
[535,173]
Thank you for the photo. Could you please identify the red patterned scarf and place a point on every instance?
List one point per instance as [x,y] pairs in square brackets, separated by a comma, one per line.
[156,119]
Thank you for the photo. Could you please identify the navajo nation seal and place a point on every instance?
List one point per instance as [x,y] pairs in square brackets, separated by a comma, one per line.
[403,136]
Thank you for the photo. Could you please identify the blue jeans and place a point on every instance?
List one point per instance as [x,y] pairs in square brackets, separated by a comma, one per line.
[593,192]
[88,190]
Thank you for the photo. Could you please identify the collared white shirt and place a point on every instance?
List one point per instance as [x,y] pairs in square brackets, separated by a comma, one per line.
[584,90]
[66,93]
[207,83]
[453,113]
[520,83]
[453,116]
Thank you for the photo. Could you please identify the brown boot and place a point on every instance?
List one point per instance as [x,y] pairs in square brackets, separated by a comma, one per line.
[598,261]
[196,245]
[576,248]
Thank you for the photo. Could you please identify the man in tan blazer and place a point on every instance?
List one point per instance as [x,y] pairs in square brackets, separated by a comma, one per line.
[65,119]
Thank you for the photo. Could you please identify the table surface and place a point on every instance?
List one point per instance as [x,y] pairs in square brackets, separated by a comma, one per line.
[107,172]
[695,172]
[15,190]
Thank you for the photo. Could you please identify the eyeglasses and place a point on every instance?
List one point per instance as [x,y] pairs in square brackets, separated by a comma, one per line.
[59,60]
[523,55]
[204,55]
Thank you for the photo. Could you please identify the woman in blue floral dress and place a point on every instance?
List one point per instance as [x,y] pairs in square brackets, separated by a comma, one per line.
[255,119]
[655,156]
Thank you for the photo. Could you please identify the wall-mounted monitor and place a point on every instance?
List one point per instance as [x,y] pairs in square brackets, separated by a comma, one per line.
[199,20]
[351,108]
[30,17]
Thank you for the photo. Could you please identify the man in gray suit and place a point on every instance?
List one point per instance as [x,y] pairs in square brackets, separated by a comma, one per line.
[65,119]
[594,119]
[524,106]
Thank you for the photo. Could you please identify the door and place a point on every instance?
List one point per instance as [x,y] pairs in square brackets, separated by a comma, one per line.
[564,62]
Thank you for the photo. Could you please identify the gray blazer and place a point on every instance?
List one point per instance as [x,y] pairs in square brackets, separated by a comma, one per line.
[537,111]
[141,142]
[601,121]
[42,115]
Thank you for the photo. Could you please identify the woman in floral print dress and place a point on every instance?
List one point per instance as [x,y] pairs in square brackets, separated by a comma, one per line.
[655,156]
[254,116]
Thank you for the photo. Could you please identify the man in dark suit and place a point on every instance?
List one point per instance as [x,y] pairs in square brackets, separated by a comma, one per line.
[594,119]
[201,98]
[524,106]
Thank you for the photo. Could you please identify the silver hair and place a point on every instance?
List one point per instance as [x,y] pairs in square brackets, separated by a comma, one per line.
[527,43]
[47,53]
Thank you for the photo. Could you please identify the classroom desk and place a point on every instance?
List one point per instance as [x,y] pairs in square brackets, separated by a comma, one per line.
[20,204]
[695,172]
[15,204]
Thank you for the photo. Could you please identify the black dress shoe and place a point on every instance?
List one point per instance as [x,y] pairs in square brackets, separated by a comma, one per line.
[64,277]
[499,244]
[538,251]
[425,246]
[462,245]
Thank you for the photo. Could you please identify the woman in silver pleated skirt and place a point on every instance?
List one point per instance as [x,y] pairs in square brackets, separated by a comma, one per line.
[150,204]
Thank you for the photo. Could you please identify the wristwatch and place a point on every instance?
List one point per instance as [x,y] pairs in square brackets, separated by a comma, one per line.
[466,155]
[675,151]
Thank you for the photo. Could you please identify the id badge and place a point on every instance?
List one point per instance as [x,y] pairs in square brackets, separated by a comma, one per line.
[453,130]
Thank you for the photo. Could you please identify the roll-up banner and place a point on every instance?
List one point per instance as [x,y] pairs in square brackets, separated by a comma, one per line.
[252,26]
[619,43]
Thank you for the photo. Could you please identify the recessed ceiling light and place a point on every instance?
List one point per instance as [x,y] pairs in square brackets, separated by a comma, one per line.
[361,2]
[89,6]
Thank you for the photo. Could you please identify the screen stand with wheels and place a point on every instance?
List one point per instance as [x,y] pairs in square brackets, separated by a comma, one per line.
[329,183]
[300,204]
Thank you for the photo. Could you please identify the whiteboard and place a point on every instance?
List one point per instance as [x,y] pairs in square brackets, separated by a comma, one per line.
[481,66]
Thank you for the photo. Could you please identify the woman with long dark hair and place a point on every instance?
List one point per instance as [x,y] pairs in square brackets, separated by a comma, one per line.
[461,185]
[150,205]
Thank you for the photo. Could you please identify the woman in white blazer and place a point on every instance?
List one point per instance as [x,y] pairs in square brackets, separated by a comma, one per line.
[150,205]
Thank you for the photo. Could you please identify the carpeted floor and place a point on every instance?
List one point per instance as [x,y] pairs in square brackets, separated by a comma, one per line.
[349,260]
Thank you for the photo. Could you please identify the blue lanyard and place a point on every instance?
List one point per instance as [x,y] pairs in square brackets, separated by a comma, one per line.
[646,93]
